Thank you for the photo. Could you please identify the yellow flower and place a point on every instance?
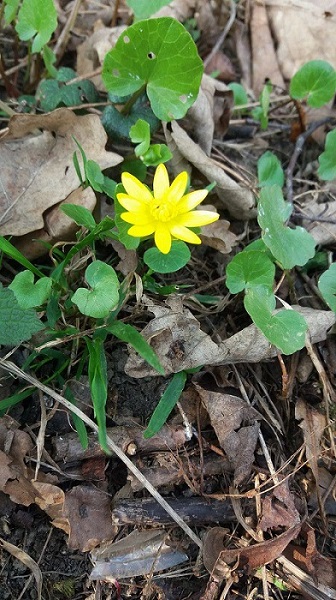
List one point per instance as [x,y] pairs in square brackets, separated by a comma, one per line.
[167,212]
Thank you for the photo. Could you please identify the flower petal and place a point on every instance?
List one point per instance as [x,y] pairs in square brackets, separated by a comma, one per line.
[178,187]
[141,230]
[135,188]
[137,218]
[182,233]
[161,182]
[162,238]
[130,203]
[197,218]
[189,201]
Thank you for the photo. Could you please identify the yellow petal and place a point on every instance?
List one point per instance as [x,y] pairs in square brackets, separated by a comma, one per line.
[136,218]
[129,203]
[197,218]
[162,238]
[135,188]
[182,233]
[178,187]
[189,201]
[161,182]
[141,230]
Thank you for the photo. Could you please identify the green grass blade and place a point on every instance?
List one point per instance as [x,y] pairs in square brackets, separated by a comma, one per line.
[130,335]
[167,402]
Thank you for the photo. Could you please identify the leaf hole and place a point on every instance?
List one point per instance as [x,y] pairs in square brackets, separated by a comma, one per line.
[183,98]
[151,55]
[115,72]
[126,39]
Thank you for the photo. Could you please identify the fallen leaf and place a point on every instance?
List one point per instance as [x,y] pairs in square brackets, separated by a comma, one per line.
[37,170]
[278,508]
[321,568]
[292,47]
[264,60]
[313,424]
[217,235]
[237,200]
[88,512]
[15,475]
[221,63]
[50,498]
[227,413]
[178,9]
[322,231]
[250,558]
[91,54]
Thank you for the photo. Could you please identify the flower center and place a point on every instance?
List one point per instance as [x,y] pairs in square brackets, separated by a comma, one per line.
[163,211]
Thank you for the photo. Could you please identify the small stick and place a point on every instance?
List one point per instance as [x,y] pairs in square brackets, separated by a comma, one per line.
[224,33]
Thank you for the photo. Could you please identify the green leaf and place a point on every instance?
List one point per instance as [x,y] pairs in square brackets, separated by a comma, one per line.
[94,175]
[79,93]
[11,8]
[146,8]
[286,330]
[140,134]
[10,250]
[158,54]
[239,95]
[249,268]
[270,171]
[327,286]
[103,295]
[16,324]
[97,371]
[128,333]
[48,94]
[327,160]
[29,294]
[166,404]
[315,82]
[77,421]
[177,258]
[36,19]
[14,399]
[49,59]
[290,247]
[81,215]
[156,154]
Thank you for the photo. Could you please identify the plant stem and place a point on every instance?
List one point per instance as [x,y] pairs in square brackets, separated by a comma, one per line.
[127,108]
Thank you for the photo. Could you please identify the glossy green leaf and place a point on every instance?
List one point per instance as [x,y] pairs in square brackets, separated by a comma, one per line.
[97,371]
[286,330]
[315,82]
[327,159]
[118,125]
[37,20]
[290,247]
[177,258]
[249,268]
[128,333]
[28,293]
[327,286]
[159,55]
[270,171]
[103,296]
[11,8]
[81,215]
[166,404]
[146,8]
[140,134]
[16,324]
[156,154]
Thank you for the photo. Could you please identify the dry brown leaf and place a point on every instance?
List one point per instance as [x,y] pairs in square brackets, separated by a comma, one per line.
[226,414]
[88,512]
[237,200]
[304,30]
[178,9]
[15,475]
[249,558]
[278,508]
[50,498]
[312,424]
[213,96]
[91,54]
[176,337]
[322,231]
[221,63]
[264,64]
[321,568]
[57,226]
[217,235]
[37,170]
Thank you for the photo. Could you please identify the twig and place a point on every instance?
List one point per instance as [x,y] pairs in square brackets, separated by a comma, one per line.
[300,142]
[64,37]
[224,33]
[12,368]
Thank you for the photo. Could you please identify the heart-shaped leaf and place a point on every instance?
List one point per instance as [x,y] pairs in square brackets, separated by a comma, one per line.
[286,330]
[177,258]
[103,295]
[315,82]
[327,286]
[37,19]
[249,268]
[143,57]
[28,293]
[290,247]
